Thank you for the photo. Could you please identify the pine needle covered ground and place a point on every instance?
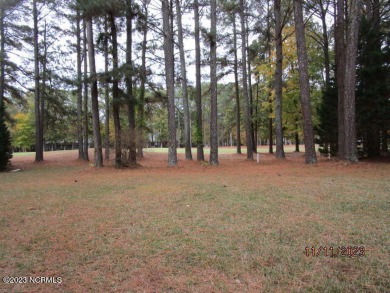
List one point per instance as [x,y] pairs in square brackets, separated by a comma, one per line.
[238,227]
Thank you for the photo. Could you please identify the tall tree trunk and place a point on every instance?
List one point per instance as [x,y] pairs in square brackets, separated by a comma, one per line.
[323,13]
[115,94]
[270,135]
[270,120]
[213,86]
[44,78]
[106,93]
[372,47]
[94,95]
[256,121]
[79,87]
[278,80]
[170,82]
[132,159]
[247,102]
[296,141]
[310,152]
[85,100]
[186,110]
[38,112]
[250,89]
[340,73]
[236,86]
[198,87]
[350,82]
[141,105]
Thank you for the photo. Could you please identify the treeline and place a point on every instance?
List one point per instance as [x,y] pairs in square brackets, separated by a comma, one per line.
[313,71]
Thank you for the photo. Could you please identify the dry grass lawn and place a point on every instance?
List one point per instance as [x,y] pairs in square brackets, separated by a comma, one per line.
[238,227]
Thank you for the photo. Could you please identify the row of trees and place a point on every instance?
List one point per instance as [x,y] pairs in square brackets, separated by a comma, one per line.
[296,67]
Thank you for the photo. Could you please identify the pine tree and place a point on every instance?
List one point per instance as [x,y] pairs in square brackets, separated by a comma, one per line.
[372,104]
[278,79]
[170,82]
[198,87]
[247,100]
[310,153]
[327,114]
[213,86]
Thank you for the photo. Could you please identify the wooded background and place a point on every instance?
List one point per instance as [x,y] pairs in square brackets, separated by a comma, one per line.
[126,74]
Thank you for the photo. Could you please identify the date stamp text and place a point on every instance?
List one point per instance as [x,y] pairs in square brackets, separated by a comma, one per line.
[335,251]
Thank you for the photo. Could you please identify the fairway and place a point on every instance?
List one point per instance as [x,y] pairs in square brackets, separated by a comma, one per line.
[238,227]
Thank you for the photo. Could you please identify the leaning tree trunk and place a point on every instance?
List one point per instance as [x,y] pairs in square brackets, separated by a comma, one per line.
[170,82]
[278,80]
[85,104]
[236,86]
[186,110]
[310,152]
[213,86]
[198,87]
[115,94]
[132,159]
[38,112]
[94,96]
[350,82]
[79,87]
[247,102]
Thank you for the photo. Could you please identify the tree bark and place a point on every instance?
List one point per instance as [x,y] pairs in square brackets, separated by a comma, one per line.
[94,96]
[256,121]
[278,80]
[198,87]
[213,86]
[270,120]
[141,105]
[106,93]
[323,13]
[38,112]
[310,152]
[297,142]
[247,102]
[79,88]
[170,82]
[43,85]
[132,159]
[340,73]
[186,110]
[250,89]
[236,86]
[115,94]
[85,100]
[350,82]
